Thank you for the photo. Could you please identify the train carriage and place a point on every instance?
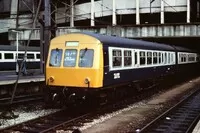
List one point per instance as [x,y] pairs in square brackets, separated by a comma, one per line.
[8,57]
[88,61]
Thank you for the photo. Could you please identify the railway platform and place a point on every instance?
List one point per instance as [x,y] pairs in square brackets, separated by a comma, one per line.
[7,78]
[29,86]
[11,79]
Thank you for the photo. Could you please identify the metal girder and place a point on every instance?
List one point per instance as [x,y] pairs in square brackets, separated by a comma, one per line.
[142,31]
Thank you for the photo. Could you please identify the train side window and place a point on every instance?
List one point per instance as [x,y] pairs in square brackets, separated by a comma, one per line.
[172,58]
[136,58]
[30,56]
[149,58]
[142,57]
[20,56]
[155,59]
[165,58]
[159,58]
[117,58]
[86,57]
[127,58]
[0,56]
[179,58]
[168,58]
[70,57]
[182,58]
[55,57]
[37,56]
[162,58]
[8,56]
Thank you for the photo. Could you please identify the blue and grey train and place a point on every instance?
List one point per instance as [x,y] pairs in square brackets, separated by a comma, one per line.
[83,62]
[9,57]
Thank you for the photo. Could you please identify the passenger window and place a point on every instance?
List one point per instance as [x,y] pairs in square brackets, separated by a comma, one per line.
[117,58]
[159,58]
[149,57]
[165,58]
[38,56]
[171,55]
[20,56]
[142,58]
[127,58]
[8,55]
[0,56]
[70,57]
[55,58]
[169,58]
[86,58]
[30,56]
[155,59]
[135,58]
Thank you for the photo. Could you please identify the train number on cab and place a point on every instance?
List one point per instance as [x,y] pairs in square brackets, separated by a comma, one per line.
[116,75]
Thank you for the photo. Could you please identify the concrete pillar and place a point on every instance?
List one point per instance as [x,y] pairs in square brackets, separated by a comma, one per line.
[72,13]
[13,13]
[114,20]
[188,11]
[137,11]
[92,13]
[162,17]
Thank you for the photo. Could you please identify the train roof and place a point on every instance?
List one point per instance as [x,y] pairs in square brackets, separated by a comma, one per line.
[125,42]
[183,49]
[20,48]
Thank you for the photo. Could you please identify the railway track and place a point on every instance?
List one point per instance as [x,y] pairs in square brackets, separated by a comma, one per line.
[73,117]
[181,118]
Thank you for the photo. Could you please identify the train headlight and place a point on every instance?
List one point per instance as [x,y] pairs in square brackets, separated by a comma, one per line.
[87,81]
[51,79]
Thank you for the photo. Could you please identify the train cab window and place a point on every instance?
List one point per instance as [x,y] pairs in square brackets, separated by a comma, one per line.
[8,56]
[117,58]
[70,57]
[55,57]
[86,58]
[142,58]
[37,56]
[30,56]
[127,58]
[155,59]
[149,57]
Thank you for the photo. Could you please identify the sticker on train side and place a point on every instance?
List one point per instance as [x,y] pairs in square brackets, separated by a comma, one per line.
[116,75]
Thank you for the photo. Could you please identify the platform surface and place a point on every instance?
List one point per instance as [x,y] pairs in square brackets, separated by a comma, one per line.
[7,78]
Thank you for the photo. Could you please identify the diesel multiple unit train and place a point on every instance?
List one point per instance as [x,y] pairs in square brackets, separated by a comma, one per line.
[80,63]
[8,57]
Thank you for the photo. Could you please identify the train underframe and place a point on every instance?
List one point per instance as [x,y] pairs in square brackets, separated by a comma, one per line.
[60,95]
